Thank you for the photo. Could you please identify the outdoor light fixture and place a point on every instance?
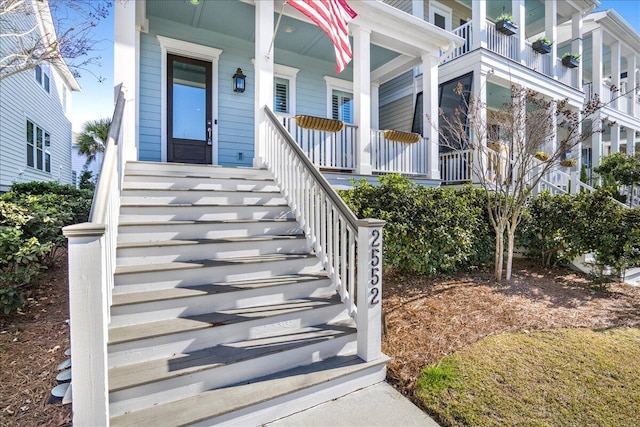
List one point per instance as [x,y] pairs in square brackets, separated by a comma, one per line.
[238,81]
[194,2]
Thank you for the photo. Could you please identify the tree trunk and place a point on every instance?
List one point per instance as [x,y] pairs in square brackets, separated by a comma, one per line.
[499,251]
[511,237]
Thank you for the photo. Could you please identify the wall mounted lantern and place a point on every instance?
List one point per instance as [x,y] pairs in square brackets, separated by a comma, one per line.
[239,81]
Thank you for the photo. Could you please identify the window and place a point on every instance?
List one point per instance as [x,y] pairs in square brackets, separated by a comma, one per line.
[38,147]
[281,103]
[440,15]
[342,106]
[42,77]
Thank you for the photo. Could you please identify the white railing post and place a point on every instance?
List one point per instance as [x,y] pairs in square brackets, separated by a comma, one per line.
[369,289]
[89,313]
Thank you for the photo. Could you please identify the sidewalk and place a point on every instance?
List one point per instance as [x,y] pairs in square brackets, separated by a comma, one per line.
[377,405]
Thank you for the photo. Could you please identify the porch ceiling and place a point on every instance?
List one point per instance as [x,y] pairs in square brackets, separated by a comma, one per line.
[237,19]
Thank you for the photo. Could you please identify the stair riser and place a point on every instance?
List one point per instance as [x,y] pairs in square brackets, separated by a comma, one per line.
[161,232]
[168,345]
[197,183]
[163,254]
[149,281]
[202,213]
[170,169]
[201,197]
[189,385]
[169,309]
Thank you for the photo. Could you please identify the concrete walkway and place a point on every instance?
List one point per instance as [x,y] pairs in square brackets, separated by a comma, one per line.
[377,405]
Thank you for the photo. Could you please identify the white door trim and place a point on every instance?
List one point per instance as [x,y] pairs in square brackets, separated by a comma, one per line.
[196,51]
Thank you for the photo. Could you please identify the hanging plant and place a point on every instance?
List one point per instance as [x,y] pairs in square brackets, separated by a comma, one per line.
[542,156]
[542,45]
[570,60]
[505,24]
[568,163]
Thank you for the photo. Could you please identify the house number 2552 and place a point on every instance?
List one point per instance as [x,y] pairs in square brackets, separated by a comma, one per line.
[376,266]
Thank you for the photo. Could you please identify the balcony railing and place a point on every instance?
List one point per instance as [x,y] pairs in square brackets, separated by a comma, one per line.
[455,166]
[502,44]
[398,157]
[536,61]
[464,31]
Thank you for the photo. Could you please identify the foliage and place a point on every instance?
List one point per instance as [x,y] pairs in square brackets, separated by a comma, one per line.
[74,22]
[87,181]
[544,40]
[620,169]
[436,377]
[571,55]
[93,138]
[429,230]
[507,17]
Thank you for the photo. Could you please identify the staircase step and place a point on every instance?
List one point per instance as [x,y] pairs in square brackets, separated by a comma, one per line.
[182,375]
[142,307]
[178,169]
[189,211]
[134,253]
[153,340]
[263,399]
[185,195]
[198,229]
[198,182]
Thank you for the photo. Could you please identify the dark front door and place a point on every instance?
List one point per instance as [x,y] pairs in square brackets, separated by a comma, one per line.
[189,121]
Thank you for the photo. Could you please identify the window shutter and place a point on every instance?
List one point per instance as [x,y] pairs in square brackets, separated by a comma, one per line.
[281,101]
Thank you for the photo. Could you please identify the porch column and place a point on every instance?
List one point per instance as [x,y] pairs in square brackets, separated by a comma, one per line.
[430,109]
[479,19]
[597,61]
[596,141]
[480,160]
[519,15]
[632,83]
[576,46]
[551,32]
[263,76]
[375,105]
[126,70]
[631,141]
[362,97]
[578,148]
[615,138]
[616,55]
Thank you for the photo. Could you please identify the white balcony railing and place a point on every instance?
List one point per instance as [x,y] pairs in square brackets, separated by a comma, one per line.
[327,150]
[465,31]
[536,61]
[502,44]
[398,157]
[455,166]
[350,249]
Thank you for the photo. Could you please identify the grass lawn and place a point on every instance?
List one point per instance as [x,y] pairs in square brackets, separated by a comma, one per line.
[563,377]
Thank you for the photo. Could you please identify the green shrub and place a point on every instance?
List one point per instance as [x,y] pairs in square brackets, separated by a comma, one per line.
[429,230]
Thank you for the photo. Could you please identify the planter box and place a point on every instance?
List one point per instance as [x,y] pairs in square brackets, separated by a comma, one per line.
[541,47]
[570,62]
[506,27]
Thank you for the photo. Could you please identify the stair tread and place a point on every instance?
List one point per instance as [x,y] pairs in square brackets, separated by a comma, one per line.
[222,401]
[224,354]
[191,242]
[199,176]
[206,221]
[187,265]
[191,189]
[209,205]
[210,289]
[220,318]
[167,165]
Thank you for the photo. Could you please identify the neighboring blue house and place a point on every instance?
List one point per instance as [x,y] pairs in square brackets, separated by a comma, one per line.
[35,130]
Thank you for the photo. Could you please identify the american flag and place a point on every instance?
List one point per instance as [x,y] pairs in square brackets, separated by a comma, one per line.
[333,17]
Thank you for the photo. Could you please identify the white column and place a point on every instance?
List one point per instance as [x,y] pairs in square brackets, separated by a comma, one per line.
[551,32]
[519,15]
[362,97]
[597,61]
[615,138]
[430,110]
[479,19]
[375,106]
[616,56]
[126,71]
[596,142]
[417,8]
[263,75]
[479,91]
[576,46]
[578,147]
[632,83]
[631,141]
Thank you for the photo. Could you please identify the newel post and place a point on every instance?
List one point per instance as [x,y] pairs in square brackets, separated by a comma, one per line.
[88,310]
[369,291]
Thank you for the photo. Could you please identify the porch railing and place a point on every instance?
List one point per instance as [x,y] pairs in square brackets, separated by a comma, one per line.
[342,242]
[536,61]
[398,157]
[502,44]
[456,166]
[92,262]
[327,150]
[464,31]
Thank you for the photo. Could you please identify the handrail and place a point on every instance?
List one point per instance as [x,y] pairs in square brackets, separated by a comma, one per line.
[101,194]
[320,179]
[349,248]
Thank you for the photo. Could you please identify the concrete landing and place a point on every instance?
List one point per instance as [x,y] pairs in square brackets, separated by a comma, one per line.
[377,405]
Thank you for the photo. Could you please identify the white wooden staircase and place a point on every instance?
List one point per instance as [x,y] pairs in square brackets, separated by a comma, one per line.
[221,313]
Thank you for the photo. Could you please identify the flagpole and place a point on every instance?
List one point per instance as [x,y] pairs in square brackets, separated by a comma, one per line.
[275,31]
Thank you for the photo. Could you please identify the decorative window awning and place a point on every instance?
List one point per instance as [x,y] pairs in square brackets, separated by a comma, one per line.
[320,123]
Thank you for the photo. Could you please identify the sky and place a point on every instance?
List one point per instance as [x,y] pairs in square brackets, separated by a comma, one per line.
[96,99]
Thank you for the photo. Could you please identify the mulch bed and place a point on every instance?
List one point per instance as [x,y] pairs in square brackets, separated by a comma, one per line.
[32,344]
[428,319]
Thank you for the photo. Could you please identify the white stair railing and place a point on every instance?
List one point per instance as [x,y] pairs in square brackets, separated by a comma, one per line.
[343,243]
[92,262]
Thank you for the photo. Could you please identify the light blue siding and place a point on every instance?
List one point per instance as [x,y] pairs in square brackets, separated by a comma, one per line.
[235,110]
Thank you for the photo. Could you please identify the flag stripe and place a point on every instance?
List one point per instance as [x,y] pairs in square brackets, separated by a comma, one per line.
[333,17]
